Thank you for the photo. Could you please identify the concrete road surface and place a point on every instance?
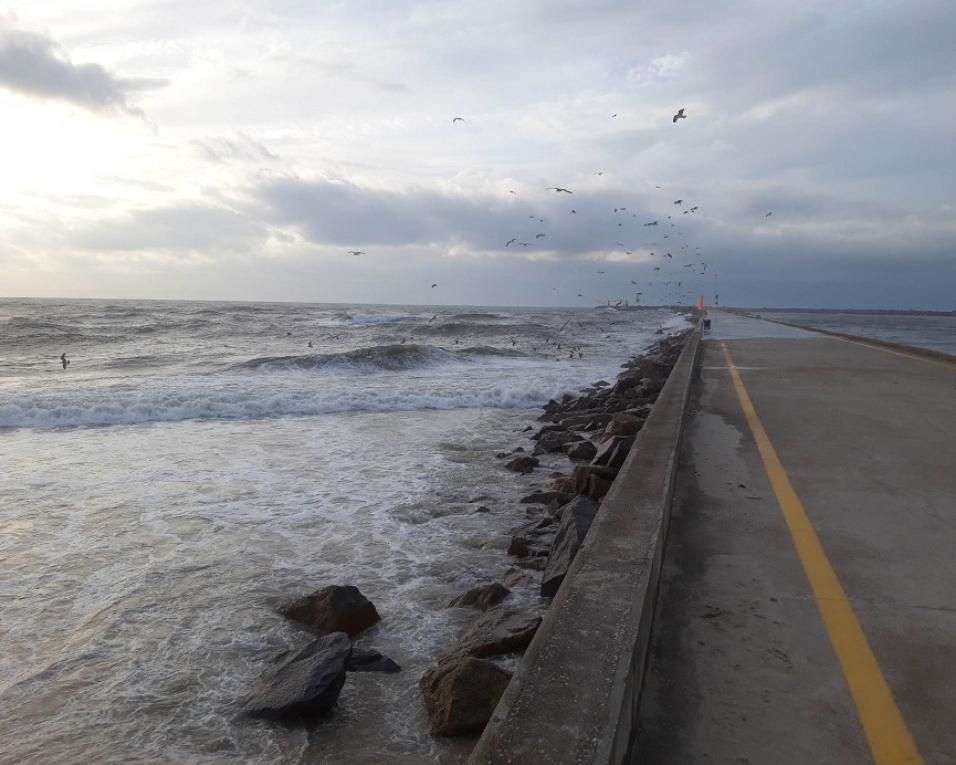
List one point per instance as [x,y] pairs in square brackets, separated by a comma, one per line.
[831,642]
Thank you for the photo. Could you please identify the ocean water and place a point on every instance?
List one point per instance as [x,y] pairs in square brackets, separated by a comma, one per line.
[933,331]
[198,464]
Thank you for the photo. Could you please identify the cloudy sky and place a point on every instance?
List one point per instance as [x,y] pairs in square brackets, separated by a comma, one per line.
[239,149]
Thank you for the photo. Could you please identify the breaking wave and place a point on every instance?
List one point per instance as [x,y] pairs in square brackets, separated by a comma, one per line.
[391,358]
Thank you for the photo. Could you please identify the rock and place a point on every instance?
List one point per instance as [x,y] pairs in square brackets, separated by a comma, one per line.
[336,608]
[522,464]
[552,441]
[597,421]
[601,384]
[515,577]
[518,450]
[580,450]
[613,453]
[533,540]
[548,429]
[580,481]
[370,661]
[499,631]
[544,497]
[483,597]
[502,455]
[536,563]
[576,519]
[460,696]
[622,425]
[482,509]
[306,684]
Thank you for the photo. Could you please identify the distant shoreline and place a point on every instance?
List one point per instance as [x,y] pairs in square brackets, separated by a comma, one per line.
[855,311]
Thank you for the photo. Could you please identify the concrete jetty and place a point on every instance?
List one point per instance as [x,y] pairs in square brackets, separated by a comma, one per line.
[807,608]
[774,578]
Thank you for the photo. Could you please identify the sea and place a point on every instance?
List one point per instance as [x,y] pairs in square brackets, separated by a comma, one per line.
[934,331]
[198,464]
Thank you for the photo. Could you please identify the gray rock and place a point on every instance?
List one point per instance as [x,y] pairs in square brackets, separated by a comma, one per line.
[461,695]
[544,497]
[552,441]
[522,464]
[482,597]
[580,450]
[306,684]
[338,608]
[613,452]
[370,661]
[533,540]
[499,631]
[575,520]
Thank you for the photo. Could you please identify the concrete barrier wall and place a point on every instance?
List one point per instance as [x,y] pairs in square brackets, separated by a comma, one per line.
[575,697]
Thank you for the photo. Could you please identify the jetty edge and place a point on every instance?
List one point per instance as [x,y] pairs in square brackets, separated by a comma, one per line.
[576,694]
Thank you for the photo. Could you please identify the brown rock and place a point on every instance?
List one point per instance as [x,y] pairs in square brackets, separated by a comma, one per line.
[522,464]
[622,425]
[613,452]
[580,450]
[461,695]
[337,608]
[498,631]
[483,597]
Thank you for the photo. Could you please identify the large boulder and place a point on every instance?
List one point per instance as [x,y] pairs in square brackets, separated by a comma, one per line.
[622,425]
[461,695]
[498,631]
[590,480]
[576,519]
[533,540]
[613,452]
[580,450]
[304,685]
[522,464]
[482,597]
[337,608]
[552,441]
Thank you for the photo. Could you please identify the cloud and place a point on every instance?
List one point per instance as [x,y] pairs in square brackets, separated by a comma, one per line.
[36,65]
[240,148]
[180,229]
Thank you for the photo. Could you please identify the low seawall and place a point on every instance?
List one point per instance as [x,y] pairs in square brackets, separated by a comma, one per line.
[575,696]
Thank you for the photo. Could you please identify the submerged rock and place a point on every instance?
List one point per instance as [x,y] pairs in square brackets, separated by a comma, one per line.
[482,597]
[461,695]
[370,661]
[522,464]
[304,685]
[576,520]
[337,608]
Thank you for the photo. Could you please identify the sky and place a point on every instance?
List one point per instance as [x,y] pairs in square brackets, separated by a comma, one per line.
[239,150]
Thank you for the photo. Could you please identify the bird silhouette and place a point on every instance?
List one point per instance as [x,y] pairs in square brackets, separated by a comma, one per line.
[356,252]
[768,214]
[457,119]
[559,190]
[680,115]
[434,285]
[511,241]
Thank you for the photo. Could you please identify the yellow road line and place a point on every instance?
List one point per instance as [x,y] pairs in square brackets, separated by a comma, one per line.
[890,741]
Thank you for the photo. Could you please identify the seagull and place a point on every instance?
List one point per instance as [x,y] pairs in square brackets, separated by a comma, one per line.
[538,236]
[680,115]
[602,272]
[678,201]
[462,119]
[434,285]
[559,190]
[668,255]
[512,191]
[433,318]
[613,115]
[600,173]
[574,212]
[652,223]
[768,214]
[511,241]
[695,208]
[356,252]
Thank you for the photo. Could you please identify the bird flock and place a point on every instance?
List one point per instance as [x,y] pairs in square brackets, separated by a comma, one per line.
[671,283]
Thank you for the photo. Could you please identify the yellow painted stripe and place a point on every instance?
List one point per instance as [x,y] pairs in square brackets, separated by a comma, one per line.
[886,731]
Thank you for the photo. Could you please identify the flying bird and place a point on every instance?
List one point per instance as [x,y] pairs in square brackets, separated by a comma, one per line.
[433,318]
[512,191]
[574,212]
[768,214]
[457,119]
[434,285]
[357,252]
[680,115]
[511,241]
[600,173]
[614,115]
[652,223]
[538,236]
[678,201]
[559,190]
